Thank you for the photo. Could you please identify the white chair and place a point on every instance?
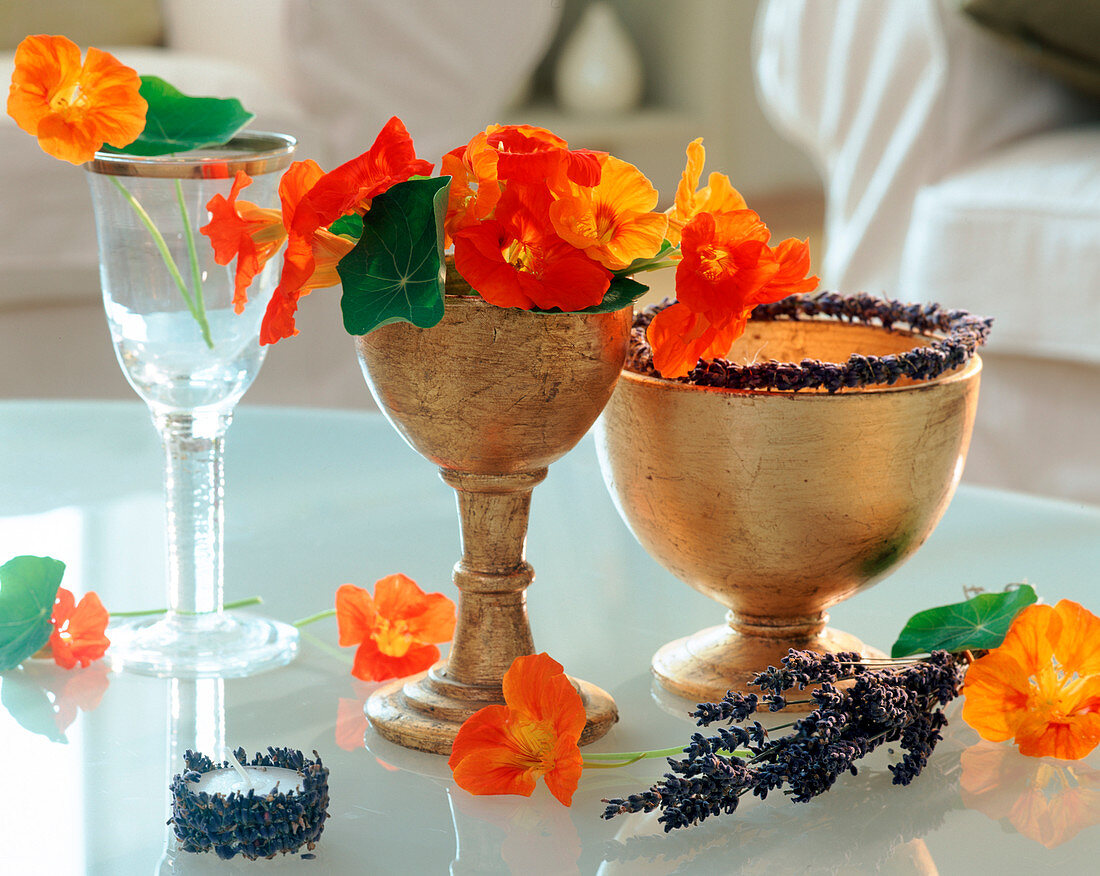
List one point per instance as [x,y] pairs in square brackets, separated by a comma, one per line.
[956,172]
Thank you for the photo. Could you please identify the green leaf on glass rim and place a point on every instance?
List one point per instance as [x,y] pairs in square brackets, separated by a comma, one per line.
[978,623]
[177,122]
[28,589]
[395,273]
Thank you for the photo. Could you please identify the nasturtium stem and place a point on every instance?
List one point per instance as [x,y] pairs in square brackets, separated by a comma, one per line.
[165,253]
[198,306]
[229,606]
[656,266]
[596,759]
[313,618]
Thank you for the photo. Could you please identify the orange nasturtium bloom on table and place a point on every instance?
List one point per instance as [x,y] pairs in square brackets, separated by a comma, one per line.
[73,108]
[79,634]
[506,749]
[1042,685]
[396,629]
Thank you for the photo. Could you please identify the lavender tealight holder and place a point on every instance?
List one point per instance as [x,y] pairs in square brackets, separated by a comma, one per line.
[276,803]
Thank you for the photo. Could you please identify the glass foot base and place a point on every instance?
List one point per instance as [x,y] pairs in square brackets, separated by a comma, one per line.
[221,646]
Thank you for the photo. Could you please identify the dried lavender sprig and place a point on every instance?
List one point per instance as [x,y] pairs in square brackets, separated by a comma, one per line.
[900,704]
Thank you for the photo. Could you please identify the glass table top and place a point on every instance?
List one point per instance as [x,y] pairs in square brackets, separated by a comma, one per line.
[316,499]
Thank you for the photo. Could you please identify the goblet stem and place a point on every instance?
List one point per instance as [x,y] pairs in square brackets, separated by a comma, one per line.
[492,576]
[492,627]
[194,484]
[196,638]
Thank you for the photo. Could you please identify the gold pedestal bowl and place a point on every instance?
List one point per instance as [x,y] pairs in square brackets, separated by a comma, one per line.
[779,504]
[492,396]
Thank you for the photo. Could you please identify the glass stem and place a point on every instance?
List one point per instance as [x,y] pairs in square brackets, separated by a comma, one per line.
[194,485]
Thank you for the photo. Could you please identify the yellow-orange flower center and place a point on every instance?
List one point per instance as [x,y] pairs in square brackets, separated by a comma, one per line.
[535,745]
[393,637]
[67,100]
[716,261]
[1053,694]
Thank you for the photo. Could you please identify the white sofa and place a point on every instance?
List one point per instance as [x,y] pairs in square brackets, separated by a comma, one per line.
[955,171]
[329,73]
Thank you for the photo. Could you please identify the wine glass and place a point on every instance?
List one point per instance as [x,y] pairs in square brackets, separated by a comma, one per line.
[190,357]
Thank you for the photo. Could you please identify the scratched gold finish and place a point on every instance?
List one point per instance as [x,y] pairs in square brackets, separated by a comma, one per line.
[780,504]
[492,396]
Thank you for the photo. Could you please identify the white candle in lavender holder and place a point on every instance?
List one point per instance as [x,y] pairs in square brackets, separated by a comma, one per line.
[261,779]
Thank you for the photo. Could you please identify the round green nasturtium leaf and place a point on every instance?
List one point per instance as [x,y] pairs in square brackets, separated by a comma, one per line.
[178,122]
[395,273]
[977,624]
[28,589]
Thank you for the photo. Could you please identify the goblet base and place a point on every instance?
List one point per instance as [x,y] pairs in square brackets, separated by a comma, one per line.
[210,646]
[702,667]
[424,712]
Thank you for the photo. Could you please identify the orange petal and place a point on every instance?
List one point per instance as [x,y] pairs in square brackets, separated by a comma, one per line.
[356,615]
[63,606]
[436,620]
[397,596]
[484,759]
[719,195]
[371,664]
[536,686]
[1069,740]
[677,336]
[1031,637]
[44,66]
[793,257]
[1078,645]
[563,779]
[996,694]
[115,108]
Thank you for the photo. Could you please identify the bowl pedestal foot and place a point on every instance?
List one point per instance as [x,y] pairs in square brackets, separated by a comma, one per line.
[702,667]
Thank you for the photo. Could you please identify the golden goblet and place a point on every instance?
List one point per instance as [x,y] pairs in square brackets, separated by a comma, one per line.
[779,504]
[492,396]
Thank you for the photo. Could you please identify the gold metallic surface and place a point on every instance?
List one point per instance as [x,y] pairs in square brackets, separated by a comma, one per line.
[780,504]
[492,396]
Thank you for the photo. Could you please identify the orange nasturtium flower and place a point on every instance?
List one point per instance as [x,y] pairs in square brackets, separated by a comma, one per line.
[396,629]
[252,235]
[506,749]
[613,221]
[1042,685]
[726,269]
[718,196]
[517,260]
[79,629]
[73,108]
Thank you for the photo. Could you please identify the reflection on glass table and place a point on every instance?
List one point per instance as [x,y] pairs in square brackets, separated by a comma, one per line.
[326,498]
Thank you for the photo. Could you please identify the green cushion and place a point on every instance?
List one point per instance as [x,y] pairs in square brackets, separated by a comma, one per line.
[1060,36]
